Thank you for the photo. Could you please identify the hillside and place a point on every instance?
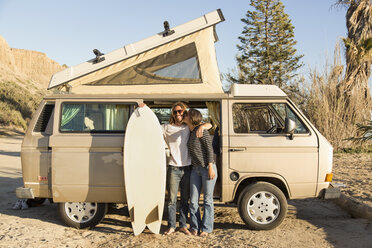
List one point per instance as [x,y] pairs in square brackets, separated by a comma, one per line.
[24,77]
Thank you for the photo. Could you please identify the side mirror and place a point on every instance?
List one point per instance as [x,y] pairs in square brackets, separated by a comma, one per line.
[290,127]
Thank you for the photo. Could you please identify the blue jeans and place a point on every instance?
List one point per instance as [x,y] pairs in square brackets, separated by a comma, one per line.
[198,180]
[178,177]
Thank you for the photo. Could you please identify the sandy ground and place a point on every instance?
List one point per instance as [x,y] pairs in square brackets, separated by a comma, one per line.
[309,223]
[355,170]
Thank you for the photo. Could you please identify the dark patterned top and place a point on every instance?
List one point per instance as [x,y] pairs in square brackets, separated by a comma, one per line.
[200,149]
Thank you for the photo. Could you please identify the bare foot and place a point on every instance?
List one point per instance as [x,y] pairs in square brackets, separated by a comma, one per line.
[169,231]
[194,232]
[203,234]
[185,230]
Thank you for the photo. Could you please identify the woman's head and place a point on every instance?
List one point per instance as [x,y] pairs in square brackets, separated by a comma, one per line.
[177,112]
[194,117]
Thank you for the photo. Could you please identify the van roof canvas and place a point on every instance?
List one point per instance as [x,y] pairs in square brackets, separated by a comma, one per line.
[182,62]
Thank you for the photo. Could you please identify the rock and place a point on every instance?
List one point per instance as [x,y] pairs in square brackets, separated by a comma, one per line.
[26,65]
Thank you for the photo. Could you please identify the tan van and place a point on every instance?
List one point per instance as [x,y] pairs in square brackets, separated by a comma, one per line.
[72,152]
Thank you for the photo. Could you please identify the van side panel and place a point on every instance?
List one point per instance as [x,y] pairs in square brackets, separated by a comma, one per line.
[84,171]
[35,158]
[86,167]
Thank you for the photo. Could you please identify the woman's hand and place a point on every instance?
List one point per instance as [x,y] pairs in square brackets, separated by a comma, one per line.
[211,172]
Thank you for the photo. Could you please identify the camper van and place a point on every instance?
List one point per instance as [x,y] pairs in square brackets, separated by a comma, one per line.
[72,152]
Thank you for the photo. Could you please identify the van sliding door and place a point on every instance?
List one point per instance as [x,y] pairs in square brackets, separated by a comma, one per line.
[87,150]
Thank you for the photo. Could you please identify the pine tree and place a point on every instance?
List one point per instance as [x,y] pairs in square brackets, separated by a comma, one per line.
[266,50]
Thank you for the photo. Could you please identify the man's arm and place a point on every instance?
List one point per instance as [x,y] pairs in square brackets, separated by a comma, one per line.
[205,126]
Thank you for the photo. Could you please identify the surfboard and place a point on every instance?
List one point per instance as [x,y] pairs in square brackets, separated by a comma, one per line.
[144,170]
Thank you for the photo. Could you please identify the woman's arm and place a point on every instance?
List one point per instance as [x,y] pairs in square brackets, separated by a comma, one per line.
[206,146]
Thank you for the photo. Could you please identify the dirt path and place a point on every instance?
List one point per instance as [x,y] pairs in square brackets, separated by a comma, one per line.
[309,223]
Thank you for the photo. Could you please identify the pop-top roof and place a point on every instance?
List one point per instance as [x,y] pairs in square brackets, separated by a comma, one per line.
[179,60]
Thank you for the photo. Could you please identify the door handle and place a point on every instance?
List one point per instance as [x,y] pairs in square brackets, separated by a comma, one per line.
[236,149]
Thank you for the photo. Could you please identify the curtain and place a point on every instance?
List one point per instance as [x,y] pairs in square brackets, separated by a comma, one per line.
[69,112]
[116,116]
[214,113]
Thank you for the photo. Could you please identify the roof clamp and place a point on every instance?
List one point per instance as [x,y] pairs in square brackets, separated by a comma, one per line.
[98,56]
[167,31]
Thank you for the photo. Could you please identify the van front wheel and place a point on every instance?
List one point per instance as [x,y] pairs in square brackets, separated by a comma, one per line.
[262,206]
[82,214]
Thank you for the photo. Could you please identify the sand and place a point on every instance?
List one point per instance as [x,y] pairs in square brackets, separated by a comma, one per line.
[309,223]
[355,171]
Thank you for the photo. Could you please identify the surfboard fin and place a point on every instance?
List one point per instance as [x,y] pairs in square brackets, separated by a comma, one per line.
[153,215]
[131,214]
[137,226]
[153,220]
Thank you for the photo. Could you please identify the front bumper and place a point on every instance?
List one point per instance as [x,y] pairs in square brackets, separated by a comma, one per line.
[24,193]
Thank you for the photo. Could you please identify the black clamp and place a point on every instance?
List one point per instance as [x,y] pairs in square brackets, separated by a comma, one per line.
[98,56]
[167,30]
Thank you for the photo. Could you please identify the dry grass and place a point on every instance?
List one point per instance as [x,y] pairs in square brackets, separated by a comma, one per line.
[17,104]
[334,110]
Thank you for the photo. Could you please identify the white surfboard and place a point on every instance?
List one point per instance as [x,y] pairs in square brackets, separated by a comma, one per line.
[144,170]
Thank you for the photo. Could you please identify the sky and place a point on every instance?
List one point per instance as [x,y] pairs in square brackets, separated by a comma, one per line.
[67,31]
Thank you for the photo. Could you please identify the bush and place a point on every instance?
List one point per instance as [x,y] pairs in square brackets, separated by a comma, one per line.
[17,104]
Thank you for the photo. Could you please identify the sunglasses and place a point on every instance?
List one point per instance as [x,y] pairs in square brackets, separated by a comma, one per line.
[177,111]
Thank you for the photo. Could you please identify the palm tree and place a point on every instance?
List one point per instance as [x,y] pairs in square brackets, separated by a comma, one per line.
[358,44]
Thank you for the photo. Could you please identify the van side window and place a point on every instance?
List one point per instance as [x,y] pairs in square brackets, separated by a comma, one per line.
[285,111]
[44,117]
[94,117]
[250,118]
[264,118]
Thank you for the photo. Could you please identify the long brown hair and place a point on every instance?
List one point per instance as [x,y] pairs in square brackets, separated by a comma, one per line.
[195,117]
[172,118]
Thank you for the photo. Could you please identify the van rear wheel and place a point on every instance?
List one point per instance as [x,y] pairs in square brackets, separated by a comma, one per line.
[262,206]
[82,214]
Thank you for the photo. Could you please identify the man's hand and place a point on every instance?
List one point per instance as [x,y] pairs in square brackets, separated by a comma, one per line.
[205,126]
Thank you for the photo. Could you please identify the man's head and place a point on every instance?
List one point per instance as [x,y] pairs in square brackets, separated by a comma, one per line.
[177,113]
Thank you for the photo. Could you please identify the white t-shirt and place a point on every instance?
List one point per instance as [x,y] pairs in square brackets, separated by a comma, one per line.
[177,138]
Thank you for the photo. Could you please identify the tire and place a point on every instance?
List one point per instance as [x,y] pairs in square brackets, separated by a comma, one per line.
[36,202]
[82,215]
[262,206]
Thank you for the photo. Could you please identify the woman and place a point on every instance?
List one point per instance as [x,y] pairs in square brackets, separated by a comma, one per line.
[203,175]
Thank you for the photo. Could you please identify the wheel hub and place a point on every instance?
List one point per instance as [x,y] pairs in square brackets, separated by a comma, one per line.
[263,207]
[81,212]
